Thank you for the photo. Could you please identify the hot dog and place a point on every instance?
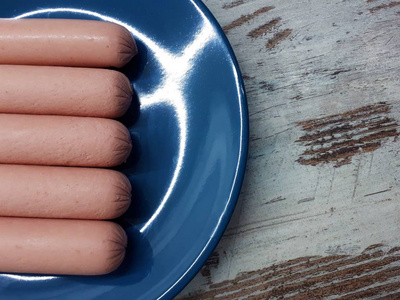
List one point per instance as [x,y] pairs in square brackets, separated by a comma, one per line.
[56,246]
[63,192]
[62,140]
[62,42]
[64,91]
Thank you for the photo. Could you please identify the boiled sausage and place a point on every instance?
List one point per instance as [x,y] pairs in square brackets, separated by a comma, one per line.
[64,91]
[63,192]
[56,246]
[63,140]
[65,42]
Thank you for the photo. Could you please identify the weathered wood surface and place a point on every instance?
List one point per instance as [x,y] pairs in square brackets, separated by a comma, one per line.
[319,213]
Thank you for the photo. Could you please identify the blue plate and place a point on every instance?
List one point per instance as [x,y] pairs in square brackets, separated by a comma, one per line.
[190,140]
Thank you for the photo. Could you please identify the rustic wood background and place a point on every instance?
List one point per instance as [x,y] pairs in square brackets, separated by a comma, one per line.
[319,213]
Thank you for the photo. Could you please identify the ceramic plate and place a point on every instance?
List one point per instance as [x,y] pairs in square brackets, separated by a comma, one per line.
[189,127]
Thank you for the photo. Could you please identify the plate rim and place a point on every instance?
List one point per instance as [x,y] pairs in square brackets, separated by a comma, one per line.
[226,215]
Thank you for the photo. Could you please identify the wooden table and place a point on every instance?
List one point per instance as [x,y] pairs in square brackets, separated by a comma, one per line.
[319,212]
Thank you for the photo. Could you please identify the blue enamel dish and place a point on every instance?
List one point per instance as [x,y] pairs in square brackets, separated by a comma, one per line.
[190,146]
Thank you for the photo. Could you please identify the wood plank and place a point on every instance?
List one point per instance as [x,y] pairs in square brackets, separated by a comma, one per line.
[319,212]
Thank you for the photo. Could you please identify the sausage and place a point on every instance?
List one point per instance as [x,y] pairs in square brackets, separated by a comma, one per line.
[60,247]
[64,42]
[63,192]
[64,91]
[63,141]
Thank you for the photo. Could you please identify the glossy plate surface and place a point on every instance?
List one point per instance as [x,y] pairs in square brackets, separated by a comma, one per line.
[190,141]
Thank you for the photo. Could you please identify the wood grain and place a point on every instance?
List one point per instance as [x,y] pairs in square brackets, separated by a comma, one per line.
[245,18]
[319,212]
[384,6]
[339,137]
[371,273]
[264,29]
